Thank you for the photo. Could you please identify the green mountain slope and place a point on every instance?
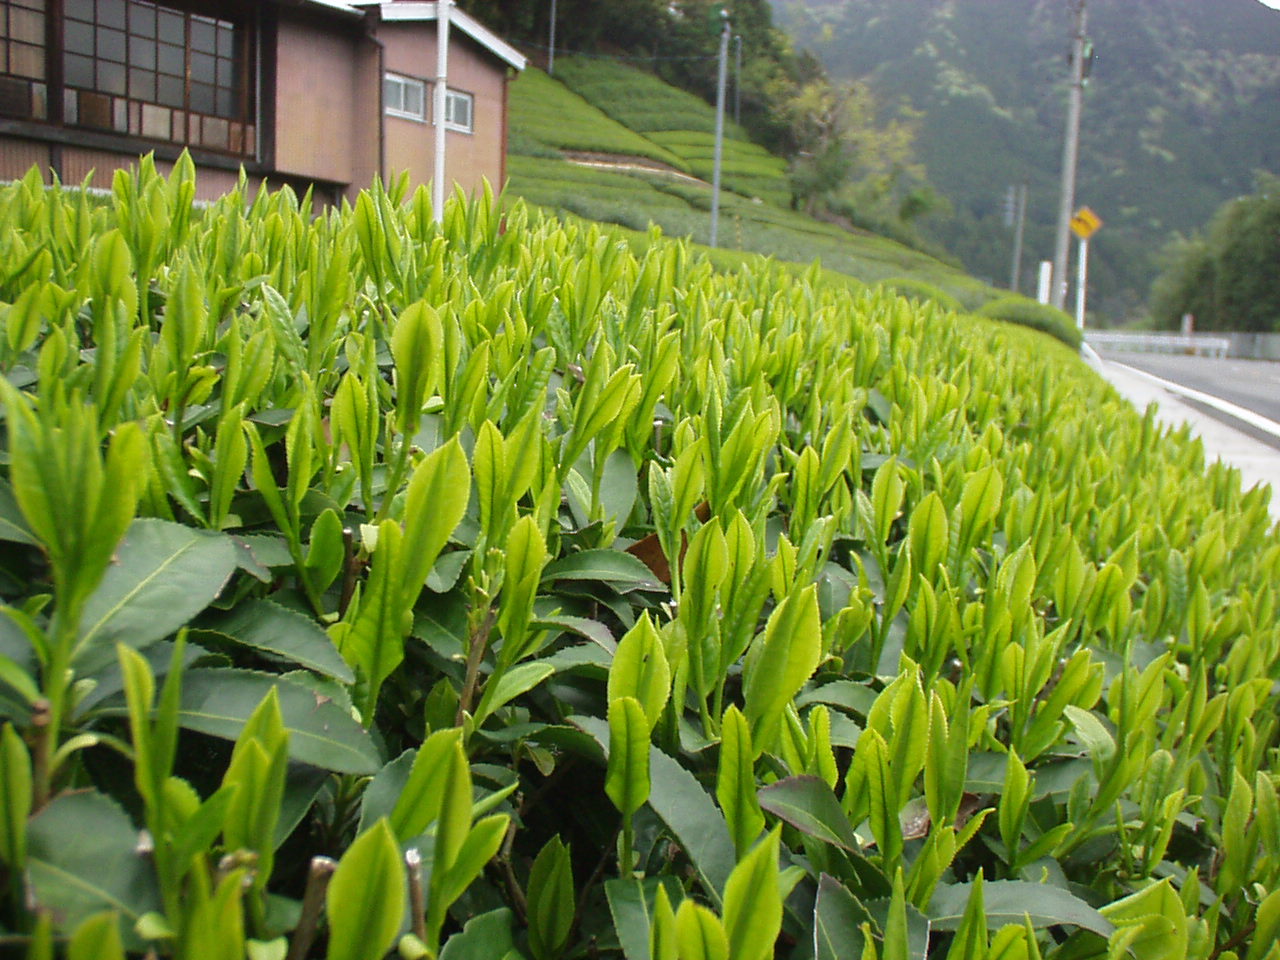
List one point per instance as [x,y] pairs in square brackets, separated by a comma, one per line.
[1179,113]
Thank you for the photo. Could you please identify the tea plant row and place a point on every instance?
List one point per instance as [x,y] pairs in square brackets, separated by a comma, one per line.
[485,589]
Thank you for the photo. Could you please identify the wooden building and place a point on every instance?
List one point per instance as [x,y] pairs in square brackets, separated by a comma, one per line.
[303,92]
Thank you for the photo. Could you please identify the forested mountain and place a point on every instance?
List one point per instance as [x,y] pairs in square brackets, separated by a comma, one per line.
[1181,109]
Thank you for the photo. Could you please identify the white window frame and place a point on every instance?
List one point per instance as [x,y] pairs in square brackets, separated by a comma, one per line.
[403,83]
[455,96]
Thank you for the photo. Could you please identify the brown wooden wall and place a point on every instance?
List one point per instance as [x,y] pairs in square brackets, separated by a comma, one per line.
[77,163]
[315,101]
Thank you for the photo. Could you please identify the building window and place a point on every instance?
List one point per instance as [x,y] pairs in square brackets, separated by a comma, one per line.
[23,90]
[136,67]
[458,111]
[404,97]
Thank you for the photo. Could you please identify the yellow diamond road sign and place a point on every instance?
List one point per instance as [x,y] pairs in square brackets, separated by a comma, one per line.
[1085,223]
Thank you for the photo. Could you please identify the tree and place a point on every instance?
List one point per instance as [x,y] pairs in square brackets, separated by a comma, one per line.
[1227,278]
[1185,285]
[842,146]
[580,25]
[1245,239]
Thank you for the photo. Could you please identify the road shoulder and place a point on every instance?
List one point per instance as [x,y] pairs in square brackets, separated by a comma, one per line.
[1258,462]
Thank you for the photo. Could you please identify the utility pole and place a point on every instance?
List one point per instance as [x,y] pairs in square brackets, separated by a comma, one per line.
[440,108]
[737,79]
[1070,154]
[719,152]
[1020,223]
[551,43]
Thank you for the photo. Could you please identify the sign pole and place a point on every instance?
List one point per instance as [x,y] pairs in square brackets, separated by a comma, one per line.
[1082,281]
[1084,224]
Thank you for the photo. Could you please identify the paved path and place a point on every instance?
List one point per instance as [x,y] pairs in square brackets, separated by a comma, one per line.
[1252,384]
[1258,461]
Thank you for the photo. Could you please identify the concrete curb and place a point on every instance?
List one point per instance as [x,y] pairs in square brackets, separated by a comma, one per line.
[1255,420]
[1257,461]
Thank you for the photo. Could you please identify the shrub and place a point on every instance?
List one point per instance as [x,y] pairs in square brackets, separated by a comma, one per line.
[1037,316]
[971,292]
[916,289]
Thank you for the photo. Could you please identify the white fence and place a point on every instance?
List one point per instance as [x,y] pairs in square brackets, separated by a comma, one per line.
[1254,346]
[1194,343]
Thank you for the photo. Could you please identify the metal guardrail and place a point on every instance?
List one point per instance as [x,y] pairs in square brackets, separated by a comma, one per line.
[1159,342]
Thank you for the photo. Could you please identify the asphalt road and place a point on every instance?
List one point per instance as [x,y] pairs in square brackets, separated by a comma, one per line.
[1252,384]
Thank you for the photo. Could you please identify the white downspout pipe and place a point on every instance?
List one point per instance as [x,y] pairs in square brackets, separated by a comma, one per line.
[438,109]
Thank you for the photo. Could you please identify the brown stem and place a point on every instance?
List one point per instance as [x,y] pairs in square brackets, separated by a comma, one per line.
[533,800]
[350,573]
[475,654]
[312,904]
[42,753]
[518,899]
[417,897]
[592,880]
[1241,937]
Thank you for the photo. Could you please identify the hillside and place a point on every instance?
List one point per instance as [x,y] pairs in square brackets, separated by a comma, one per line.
[1179,113]
[618,145]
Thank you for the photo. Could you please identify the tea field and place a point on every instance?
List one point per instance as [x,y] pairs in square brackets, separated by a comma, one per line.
[681,122]
[504,588]
[608,111]
[610,143]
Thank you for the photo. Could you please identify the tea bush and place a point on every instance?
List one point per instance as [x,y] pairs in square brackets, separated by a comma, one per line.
[915,289]
[484,589]
[679,121]
[604,195]
[740,157]
[640,100]
[1038,316]
[547,117]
